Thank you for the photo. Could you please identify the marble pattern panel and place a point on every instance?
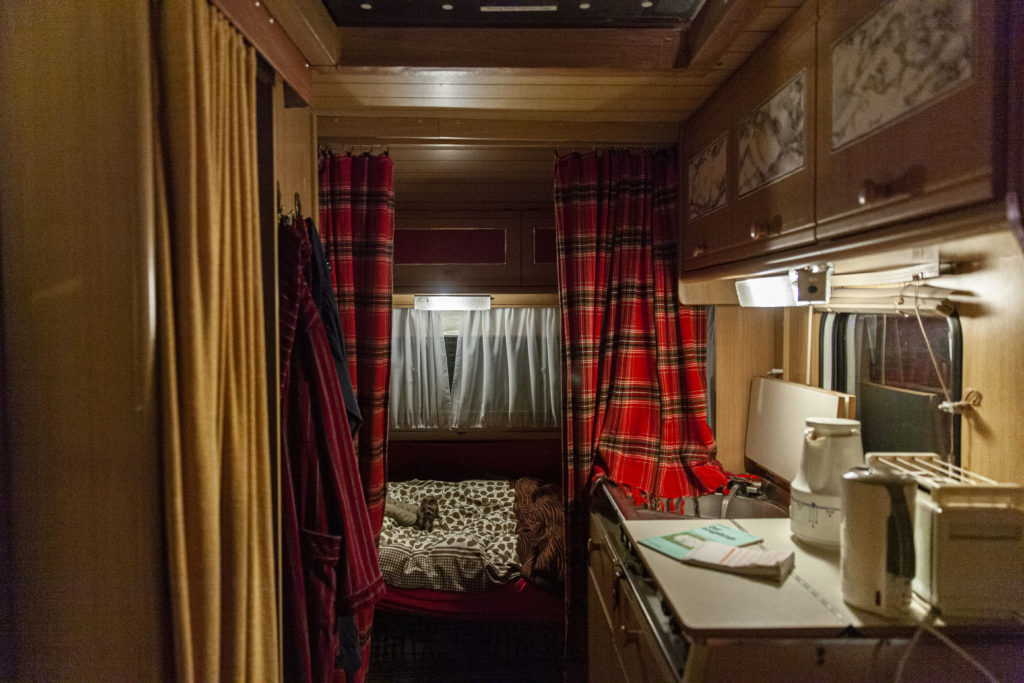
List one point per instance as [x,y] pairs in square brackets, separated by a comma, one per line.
[707,181]
[772,139]
[905,56]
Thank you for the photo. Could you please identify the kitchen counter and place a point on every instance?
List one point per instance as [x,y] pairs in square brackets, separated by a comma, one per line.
[808,603]
[732,627]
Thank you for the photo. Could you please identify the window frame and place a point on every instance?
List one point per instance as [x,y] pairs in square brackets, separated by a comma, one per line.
[834,358]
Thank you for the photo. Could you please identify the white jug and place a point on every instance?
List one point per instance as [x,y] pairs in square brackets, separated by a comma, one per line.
[832,446]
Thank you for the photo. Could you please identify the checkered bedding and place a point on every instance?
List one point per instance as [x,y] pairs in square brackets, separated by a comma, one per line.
[471,547]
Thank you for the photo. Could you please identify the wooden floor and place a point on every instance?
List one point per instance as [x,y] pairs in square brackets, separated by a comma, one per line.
[408,648]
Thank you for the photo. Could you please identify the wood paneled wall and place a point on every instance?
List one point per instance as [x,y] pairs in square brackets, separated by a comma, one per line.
[991,283]
[295,153]
[460,178]
[748,346]
[83,556]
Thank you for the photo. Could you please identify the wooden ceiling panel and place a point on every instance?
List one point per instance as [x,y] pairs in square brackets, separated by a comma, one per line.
[517,47]
[378,130]
[473,117]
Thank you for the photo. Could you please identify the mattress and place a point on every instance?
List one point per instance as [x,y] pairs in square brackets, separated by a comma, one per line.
[471,547]
[487,533]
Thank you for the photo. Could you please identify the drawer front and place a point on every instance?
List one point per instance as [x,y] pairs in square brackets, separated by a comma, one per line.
[603,660]
[641,659]
[621,643]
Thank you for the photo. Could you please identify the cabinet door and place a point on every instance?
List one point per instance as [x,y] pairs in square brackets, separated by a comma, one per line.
[757,137]
[775,142]
[456,253]
[906,114]
[708,199]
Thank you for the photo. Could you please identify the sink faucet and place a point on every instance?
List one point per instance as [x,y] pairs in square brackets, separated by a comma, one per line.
[733,492]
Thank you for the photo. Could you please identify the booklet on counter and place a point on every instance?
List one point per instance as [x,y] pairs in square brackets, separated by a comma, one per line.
[721,546]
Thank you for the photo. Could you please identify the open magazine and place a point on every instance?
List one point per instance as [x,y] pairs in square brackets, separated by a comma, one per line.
[724,547]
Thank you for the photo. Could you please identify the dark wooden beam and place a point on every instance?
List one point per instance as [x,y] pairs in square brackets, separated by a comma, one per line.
[511,48]
[715,29]
[548,134]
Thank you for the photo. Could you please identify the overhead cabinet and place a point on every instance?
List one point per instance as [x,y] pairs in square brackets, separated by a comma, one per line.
[749,156]
[907,110]
[868,114]
[464,252]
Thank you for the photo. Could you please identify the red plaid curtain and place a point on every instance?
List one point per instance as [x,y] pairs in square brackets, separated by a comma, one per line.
[635,403]
[357,222]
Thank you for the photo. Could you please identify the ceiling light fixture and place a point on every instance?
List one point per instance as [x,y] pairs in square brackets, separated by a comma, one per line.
[647,3]
[519,8]
[584,5]
[423,302]
[800,286]
[366,5]
[447,7]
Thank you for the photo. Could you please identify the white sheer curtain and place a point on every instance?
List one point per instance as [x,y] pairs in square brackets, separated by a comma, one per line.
[420,394]
[507,371]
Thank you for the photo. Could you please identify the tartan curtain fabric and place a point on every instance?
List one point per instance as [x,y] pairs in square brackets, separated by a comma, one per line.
[632,359]
[357,219]
[357,211]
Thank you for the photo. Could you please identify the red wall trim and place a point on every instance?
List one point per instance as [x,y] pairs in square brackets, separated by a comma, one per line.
[462,246]
[271,41]
[544,245]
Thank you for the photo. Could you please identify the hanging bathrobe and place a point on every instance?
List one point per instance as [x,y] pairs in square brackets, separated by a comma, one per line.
[328,554]
[323,297]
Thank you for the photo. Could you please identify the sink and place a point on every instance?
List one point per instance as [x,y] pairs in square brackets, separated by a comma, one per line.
[705,507]
[739,507]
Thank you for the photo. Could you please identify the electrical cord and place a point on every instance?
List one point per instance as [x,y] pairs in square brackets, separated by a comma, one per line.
[972,397]
[926,625]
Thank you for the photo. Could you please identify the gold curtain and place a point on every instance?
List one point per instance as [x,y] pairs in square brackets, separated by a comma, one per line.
[212,349]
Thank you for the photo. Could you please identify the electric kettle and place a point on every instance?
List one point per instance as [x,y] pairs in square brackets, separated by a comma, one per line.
[831,447]
[877,556]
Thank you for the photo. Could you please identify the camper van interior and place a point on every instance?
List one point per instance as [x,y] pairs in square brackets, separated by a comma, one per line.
[403,341]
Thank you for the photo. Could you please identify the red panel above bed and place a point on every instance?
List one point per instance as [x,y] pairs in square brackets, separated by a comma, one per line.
[458,460]
[450,246]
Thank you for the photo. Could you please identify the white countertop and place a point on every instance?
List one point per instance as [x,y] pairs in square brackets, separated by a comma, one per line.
[711,603]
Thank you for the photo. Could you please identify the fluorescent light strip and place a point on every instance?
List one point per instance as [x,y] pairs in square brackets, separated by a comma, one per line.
[519,8]
[451,303]
[766,292]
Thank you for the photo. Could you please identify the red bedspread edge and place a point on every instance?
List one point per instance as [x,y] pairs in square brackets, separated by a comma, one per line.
[514,601]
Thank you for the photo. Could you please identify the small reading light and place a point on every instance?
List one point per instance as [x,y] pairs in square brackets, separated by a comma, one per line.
[447,7]
[451,303]
[584,5]
[366,5]
[647,3]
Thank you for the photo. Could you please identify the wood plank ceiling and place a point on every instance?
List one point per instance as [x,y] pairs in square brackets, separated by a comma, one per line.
[427,91]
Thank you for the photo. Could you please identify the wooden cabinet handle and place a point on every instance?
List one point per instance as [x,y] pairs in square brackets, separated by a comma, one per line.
[698,250]
[629,635]
[593,545]
[911,182]
[766,228]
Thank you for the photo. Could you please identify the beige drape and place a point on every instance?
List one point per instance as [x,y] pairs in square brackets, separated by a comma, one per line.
[212,349]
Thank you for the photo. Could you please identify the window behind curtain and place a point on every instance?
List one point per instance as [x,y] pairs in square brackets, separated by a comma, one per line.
[884,360]
[495,370]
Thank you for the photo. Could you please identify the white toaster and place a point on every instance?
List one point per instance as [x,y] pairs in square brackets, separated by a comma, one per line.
[968,538]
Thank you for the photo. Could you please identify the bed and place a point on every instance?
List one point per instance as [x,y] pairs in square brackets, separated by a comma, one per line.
[509,617]
[495,551]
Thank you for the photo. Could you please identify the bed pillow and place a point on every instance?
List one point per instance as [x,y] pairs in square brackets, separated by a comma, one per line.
[471,547]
